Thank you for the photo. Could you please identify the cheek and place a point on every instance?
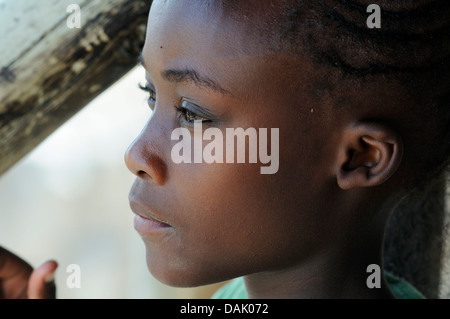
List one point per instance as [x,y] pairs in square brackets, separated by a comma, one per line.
[231,221]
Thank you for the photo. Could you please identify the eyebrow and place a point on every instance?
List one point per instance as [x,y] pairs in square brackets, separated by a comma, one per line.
[188,75]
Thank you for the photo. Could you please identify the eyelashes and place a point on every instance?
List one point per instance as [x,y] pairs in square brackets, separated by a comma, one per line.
[187,113]
[189,117]
[150,91]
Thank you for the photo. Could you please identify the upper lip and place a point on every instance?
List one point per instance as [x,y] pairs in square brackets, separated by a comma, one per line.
[140,209]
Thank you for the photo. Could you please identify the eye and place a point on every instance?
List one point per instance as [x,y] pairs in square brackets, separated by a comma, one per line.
[188,116]
[152,94]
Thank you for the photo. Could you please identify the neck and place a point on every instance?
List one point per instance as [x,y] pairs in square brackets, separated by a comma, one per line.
[340,272]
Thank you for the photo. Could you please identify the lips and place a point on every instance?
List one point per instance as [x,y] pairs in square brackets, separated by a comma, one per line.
[145,220]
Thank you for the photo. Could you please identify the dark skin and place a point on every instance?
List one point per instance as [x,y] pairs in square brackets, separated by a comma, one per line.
[308,231]
[18,279]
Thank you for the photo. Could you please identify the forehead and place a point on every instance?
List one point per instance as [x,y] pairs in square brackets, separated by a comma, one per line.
[220,24]
[201,35]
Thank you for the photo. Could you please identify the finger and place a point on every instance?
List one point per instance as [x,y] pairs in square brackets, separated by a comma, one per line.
[41,284]
[12,266]
[14,274]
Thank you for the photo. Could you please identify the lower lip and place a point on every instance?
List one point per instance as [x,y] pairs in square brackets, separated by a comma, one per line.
[145,225]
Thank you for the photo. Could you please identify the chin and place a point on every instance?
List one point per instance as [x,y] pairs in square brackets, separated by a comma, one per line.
[180,278]
[173,272]
[184,274]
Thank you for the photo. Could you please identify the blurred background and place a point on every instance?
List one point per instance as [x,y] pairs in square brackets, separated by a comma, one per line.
[68,201]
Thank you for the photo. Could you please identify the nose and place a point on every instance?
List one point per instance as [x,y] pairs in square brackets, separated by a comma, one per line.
[142,159]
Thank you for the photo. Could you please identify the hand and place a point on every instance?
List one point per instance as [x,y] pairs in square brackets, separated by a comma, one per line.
[18,280]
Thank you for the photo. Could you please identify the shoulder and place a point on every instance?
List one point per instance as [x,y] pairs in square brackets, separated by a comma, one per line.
[401,289]
[235,289]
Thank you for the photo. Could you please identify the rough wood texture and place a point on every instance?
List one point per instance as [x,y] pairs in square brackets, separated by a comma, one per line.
[49,71]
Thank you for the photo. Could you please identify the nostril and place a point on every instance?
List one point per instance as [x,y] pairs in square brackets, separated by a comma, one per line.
[143,174]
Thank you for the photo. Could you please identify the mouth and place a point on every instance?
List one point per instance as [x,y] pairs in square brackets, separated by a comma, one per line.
[145,221]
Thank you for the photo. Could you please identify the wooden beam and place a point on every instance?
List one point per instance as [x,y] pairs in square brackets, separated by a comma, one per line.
[49,71]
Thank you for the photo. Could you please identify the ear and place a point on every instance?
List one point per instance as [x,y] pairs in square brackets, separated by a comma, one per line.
[369,154]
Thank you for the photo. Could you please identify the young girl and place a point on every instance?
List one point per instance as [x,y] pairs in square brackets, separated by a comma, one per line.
[355,135]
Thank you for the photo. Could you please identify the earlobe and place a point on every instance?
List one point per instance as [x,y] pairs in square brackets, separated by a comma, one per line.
[369,155]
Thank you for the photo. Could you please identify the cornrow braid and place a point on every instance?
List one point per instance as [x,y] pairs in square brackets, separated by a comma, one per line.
[412,47]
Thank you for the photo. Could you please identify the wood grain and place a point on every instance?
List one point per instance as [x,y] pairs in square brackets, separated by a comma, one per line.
[48,71]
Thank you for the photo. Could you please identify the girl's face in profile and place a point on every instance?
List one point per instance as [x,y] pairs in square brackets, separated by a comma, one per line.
[203,223]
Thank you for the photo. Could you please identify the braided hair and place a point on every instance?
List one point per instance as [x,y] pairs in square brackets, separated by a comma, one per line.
[412,49]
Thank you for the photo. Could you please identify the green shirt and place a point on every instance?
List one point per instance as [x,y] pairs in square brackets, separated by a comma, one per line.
[399,287]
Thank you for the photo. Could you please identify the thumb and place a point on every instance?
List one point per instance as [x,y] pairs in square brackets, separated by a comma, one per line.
[41,284]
